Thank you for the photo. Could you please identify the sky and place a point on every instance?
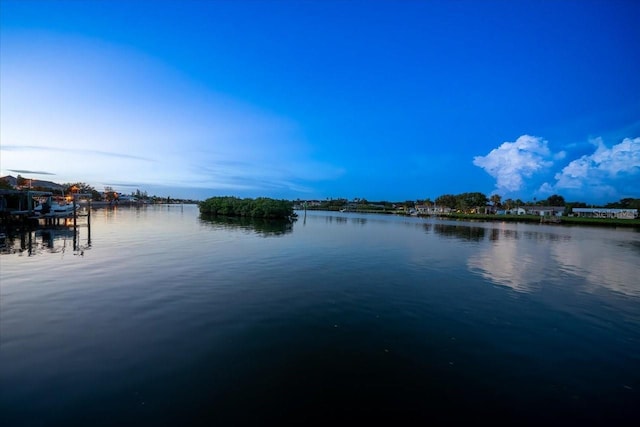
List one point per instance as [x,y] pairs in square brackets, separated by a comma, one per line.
[382,100]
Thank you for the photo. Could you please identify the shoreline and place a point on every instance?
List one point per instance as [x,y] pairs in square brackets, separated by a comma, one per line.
[563,220]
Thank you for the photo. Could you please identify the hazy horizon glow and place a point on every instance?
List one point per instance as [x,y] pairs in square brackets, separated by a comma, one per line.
[381,100]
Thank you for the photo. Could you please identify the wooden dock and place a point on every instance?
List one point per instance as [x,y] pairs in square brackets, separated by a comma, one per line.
[21,219]
[550,220]
[20,208]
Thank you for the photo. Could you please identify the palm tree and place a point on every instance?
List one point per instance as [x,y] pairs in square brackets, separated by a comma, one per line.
[509,203]
[495,200]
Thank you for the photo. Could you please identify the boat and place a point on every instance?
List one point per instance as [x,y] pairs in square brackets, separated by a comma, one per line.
[55,208]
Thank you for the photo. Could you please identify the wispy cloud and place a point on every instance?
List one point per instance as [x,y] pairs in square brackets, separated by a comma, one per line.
[41,148]
[512,162]
[285,175]
[128,120]
[608,171]
[31,172]
[124,184]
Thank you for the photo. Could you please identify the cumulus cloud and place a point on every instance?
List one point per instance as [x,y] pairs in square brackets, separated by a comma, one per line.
[600,169]
[512,162]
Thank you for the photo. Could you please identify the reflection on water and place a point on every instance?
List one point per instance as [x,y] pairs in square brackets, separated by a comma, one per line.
[527,259]
[505,263]
[460,231]
[46,240]
[173,319]
[262,227]
[343,219]
[600,263]
[465,231]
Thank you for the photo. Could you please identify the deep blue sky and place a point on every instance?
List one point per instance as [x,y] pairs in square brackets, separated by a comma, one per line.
[388,100]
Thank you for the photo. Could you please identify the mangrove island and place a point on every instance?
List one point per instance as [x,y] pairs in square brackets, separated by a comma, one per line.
[261,207]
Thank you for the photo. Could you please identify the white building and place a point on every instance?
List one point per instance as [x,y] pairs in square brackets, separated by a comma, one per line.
[127,198]
[545,210]
[606,213]
[516,211]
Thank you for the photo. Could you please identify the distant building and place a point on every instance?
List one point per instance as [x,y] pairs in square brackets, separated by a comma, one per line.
[126,198]
[430,210]
[422,209]
[514,211]
[545,210]
[606,213]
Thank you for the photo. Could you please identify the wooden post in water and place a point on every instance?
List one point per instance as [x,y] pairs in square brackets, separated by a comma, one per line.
[29,203]
[75,214]
[76,244]
[89,223]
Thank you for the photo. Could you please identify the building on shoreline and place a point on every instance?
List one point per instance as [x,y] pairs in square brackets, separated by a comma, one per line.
[606,213]
[432,210]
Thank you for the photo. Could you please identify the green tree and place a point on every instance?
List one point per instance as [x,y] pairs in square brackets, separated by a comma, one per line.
[509,204]
[626,203]
[495,200]
[447,200]
[461,204]
[4,185]
[262,207]
[21,181]
[556,200]
[475,200]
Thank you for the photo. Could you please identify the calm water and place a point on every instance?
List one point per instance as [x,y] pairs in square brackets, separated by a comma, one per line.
[156,317]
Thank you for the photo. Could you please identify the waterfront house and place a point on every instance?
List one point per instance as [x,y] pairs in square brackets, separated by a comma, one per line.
[422,209]
[514,211]
[545,210]
[431,210]
[127,198]
[606,213]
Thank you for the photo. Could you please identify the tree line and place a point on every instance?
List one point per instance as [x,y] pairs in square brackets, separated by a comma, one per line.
[262,207]
[464,201]
[469,201]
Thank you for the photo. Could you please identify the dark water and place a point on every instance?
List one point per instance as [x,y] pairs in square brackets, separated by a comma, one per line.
[161,318]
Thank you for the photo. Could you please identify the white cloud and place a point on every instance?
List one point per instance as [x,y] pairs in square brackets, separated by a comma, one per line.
[600,169]
[546,188]
[511,162]
[560,155]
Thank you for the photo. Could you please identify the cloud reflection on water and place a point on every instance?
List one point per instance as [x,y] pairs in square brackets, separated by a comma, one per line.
[526,259]
[601,263]
[503,262]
